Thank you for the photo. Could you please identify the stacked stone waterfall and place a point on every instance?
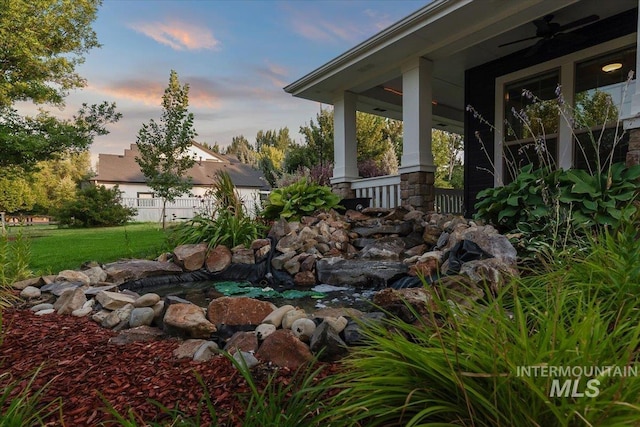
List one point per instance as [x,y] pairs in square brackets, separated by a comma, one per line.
[374,248]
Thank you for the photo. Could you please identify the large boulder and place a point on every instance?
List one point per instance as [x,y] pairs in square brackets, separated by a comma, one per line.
[190,257]
[73,277]
[122,271]
[187,320]
[238,311]
[114,300]
[339,272]
[219,259]
[70,300]
[283,349]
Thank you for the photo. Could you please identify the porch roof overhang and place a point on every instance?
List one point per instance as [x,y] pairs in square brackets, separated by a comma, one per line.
[455,35]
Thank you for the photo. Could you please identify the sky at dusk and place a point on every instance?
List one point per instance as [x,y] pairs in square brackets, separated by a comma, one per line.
[236,57]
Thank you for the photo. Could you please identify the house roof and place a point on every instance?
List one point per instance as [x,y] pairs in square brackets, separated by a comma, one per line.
[455,35]
[122,169]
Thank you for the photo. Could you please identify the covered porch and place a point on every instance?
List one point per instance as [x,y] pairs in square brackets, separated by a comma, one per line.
[421,70]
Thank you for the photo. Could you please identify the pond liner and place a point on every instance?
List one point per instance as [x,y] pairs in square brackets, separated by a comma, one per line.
[260,274]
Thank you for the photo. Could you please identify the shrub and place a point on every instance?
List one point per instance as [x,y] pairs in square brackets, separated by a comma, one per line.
[227,223]
[299,199]
[95,206]
[468,366]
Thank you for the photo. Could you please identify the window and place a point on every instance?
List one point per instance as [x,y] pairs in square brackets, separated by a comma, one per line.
[530,123]
[602,96]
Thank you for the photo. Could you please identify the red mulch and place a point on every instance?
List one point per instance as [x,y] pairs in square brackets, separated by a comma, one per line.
[81,366]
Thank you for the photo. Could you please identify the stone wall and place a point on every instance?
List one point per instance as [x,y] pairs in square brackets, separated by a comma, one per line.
[417,190]
[633,154]
[344,190]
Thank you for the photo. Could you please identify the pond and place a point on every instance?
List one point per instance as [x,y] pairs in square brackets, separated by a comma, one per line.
[309,299]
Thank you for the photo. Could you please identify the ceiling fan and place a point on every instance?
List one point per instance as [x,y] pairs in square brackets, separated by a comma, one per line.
[546,31]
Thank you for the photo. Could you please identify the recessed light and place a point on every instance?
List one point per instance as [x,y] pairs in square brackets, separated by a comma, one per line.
[612,67]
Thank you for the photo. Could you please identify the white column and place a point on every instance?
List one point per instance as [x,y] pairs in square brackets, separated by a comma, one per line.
[345,167]
[417,117]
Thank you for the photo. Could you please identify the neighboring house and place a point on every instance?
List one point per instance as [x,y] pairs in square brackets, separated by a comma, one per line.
[428,67]
[124,171]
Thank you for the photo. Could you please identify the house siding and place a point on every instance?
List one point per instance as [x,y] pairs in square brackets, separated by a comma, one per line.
[480,93]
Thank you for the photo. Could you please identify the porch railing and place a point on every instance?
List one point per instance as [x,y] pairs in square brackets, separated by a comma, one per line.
[384,192]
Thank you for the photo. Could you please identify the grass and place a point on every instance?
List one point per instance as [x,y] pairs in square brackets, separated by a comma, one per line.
[54,249]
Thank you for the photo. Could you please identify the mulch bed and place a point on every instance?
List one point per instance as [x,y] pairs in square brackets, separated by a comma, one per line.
[80,367]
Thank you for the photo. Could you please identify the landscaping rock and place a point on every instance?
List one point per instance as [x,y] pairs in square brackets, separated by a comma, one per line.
[70,300]
[123,271]
[147,300]
[114,300]
[188,348]
[291,316]
[187,320]
[242,341]
[73,277]
[264,330]
[206,351]
[190,257]
[398,301]
[327,342]
[82,311]
[141,316]
[283,349]
[246,359]
[34,282]
[373,274]
[238,311]
[43,306]
[275,317]
[30,292]
[95,274]
[57,288]
[303,329]
[219,259]
[242,255]
[45,312]
[386,248]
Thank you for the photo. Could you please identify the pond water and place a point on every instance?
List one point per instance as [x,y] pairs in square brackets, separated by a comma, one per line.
[309,299]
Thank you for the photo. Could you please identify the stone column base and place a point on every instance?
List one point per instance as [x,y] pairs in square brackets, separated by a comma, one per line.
[417,190]
[343,189]
[633,152]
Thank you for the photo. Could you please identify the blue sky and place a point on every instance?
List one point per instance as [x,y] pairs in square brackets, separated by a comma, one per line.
[236,57]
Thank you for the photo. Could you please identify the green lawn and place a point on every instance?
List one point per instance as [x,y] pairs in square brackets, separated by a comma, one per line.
[53,249]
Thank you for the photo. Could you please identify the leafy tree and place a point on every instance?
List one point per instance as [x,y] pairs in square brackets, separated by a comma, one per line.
[319,138]
[241,148]
[446,148]
[56,180]
[16,192]
[41,43]
[95,206]
[164,147]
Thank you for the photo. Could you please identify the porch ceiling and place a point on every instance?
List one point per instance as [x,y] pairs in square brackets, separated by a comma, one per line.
[455,35]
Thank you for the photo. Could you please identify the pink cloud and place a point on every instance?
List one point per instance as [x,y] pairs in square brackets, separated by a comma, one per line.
[150,92]
[178,35]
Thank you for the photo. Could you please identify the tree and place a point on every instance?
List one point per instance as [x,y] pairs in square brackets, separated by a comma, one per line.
[446,148]
[164,147]
[241,148]
[41,43]
[24,141]
[95,206]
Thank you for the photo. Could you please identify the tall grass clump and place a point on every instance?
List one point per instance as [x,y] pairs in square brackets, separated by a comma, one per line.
[225,223]
[483,365]
[23,407]
[15,256]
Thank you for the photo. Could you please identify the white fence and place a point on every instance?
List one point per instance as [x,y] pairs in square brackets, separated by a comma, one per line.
[384,192]
[150,210]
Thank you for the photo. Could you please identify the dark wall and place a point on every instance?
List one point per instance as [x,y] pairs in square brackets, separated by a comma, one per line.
[480,92]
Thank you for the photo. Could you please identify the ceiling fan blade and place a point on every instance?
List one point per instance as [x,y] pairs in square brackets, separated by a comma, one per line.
[570,38]
[518,41]
[536,47]
[579,22]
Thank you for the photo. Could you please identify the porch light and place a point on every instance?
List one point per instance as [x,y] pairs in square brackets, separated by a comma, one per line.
[612,67]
